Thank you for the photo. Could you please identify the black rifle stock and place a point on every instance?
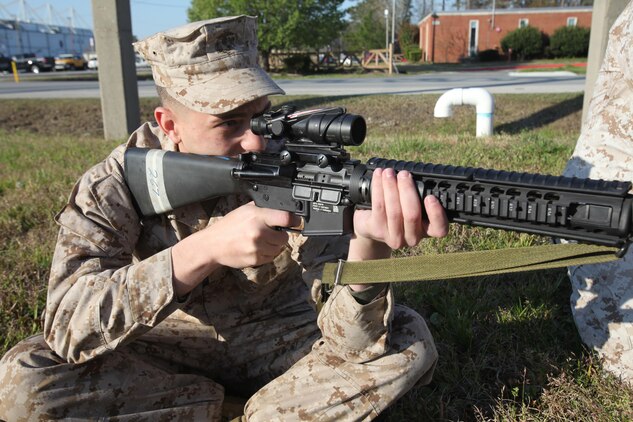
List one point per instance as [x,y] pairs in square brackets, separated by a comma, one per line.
[315,178]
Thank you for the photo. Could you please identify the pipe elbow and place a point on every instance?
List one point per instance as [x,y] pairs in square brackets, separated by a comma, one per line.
[444,105]
[482,100]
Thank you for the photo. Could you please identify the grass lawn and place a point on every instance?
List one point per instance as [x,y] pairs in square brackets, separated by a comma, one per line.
[508,347]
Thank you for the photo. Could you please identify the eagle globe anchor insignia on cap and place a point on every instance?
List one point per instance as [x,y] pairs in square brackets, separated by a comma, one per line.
[209,66]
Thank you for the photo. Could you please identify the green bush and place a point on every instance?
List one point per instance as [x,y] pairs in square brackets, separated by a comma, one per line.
[413,54]
[569,41]
[298,63]
[408,37]
[526,43]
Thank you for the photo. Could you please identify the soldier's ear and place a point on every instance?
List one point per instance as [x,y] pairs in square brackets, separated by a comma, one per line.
[166,119]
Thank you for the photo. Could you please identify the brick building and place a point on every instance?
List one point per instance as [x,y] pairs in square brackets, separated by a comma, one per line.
[451,37]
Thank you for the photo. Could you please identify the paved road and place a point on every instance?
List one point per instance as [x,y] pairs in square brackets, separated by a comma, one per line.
[431,83]
[435,83]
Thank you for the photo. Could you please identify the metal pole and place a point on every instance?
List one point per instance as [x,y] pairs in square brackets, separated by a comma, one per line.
[386,29]
[18,35]
[393,22]
[433,49]
[23,11]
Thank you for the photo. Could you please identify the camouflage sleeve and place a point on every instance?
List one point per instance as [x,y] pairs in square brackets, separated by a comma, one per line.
[604,148]
[97,299]
[620,36]
[355,332]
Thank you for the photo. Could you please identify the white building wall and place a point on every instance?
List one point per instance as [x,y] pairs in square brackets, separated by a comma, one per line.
[18,37]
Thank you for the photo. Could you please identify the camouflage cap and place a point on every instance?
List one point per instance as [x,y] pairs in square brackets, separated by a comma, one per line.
[209,66]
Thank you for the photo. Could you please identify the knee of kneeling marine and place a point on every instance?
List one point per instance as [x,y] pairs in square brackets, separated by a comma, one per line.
[22,370]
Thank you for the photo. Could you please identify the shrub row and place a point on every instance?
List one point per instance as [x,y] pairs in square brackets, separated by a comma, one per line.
[522,44]
[530,43]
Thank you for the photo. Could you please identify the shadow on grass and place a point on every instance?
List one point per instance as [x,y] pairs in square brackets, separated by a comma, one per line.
[543,117]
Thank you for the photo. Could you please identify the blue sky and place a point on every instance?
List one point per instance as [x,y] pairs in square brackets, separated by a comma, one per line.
[148,16]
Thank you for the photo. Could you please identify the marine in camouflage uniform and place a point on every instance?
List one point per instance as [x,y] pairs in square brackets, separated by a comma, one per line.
[120,343]
[602,297]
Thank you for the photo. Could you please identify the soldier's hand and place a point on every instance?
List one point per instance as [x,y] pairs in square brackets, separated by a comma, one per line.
[396,218]
[245,237]
[248,236]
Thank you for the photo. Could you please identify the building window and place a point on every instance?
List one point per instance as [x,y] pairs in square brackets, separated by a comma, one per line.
[473,37]
[523,22]
[572,21]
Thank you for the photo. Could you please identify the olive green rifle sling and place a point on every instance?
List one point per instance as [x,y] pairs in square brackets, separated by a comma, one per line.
[466,264]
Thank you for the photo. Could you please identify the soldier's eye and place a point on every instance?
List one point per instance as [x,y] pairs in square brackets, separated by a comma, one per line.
[229,123]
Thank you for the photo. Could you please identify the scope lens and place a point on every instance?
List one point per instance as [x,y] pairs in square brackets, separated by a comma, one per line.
[352,129]
[258,126]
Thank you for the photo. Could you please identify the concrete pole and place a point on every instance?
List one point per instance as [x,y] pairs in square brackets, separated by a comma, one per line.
[117,67]
[604,14]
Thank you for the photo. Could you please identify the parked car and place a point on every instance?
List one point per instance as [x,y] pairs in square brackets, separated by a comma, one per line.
[70,61]
[139,62]
[93,63]
[5,64]
[29,62]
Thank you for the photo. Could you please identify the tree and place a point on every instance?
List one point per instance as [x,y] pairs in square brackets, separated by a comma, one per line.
[366,29]
[282,24]
[408,36]
[404,14]
[424,7]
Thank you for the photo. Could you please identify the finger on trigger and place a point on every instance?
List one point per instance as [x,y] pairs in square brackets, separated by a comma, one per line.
[277,218]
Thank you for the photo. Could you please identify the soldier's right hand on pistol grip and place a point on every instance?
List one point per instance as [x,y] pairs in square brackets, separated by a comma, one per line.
[247,236]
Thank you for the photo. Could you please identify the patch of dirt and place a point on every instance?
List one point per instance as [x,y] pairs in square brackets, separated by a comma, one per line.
[75,117]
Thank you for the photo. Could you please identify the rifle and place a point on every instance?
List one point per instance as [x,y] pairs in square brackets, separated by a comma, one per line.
[315,178]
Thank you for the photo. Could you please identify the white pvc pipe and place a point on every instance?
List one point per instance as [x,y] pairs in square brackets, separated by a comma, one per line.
[479,97]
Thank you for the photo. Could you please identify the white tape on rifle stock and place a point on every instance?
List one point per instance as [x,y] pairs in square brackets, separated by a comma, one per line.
[156,181]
